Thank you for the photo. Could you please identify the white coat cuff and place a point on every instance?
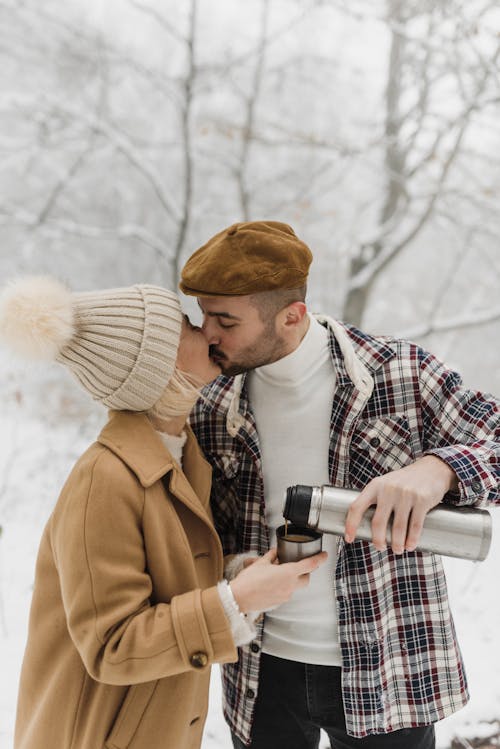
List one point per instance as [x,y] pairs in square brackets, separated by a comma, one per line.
[242,627]
[236,565]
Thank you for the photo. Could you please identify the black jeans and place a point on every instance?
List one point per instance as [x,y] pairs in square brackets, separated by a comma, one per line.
[295,700]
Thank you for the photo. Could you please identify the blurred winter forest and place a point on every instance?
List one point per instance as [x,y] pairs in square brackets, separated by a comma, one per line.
[132,130]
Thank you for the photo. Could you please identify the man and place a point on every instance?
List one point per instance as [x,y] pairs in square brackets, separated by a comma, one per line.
[368,651]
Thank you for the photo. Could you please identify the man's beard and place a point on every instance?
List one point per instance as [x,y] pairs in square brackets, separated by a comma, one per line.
[269,348]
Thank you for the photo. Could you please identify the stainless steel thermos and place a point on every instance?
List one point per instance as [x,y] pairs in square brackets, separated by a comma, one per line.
[463,532]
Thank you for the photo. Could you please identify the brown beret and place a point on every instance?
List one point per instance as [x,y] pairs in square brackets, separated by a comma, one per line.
[247,258]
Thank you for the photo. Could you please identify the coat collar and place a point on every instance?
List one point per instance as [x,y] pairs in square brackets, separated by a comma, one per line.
[132,437]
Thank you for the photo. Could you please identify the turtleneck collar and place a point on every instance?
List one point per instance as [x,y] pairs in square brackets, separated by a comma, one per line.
[296,367]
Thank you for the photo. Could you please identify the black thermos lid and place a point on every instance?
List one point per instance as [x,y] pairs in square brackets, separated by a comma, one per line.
[298,504]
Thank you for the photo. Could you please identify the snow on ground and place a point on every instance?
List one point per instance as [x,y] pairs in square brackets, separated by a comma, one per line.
[46,424]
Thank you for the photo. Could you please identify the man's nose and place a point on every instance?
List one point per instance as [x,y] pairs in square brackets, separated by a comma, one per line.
[209,331]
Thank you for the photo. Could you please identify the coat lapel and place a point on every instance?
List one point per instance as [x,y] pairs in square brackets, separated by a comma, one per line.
[197,470]
[192,484]
[134,440]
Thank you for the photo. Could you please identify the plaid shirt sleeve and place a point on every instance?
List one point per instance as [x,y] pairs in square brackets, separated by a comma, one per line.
[462,427]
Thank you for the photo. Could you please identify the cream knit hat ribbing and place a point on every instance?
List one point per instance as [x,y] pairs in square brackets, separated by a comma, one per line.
[121,344]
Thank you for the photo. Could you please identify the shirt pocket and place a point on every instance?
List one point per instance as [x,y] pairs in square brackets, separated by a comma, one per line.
[379,446]
[130,715]
[226,464]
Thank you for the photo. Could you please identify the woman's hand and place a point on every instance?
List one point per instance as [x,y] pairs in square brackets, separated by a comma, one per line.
[265,583]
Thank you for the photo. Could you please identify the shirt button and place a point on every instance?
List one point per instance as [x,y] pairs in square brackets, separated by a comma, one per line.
[250,694]
[375,442]
[476,486]
[199,660]
[254,647]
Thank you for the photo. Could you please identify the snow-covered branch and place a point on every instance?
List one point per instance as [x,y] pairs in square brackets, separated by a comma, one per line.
[122,144]
[188,88]
[249,123]
[457,322]
[386,254]
[160,19]
[64,227]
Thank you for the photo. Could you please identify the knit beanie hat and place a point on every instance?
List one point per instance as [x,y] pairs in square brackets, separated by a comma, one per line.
[121,344]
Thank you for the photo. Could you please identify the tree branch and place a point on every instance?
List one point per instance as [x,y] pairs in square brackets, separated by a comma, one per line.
[186,138]
[160,20]
[61,227]
[123,145]
[251,103]
[459,322]
[372,269]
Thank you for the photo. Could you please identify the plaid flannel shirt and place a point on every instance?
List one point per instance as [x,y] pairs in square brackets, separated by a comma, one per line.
[401,663]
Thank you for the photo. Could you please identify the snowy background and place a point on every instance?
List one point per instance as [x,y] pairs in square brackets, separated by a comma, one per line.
[132,130]
[46,423]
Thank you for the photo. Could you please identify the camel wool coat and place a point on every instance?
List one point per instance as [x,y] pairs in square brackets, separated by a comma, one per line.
[125,618]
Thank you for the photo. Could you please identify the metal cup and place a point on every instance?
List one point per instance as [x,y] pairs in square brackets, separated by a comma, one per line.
[298,543]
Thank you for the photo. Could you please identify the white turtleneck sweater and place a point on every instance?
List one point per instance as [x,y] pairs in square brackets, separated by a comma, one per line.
[292,402]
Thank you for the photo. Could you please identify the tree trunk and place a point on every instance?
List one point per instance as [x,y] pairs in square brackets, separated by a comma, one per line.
[394,162]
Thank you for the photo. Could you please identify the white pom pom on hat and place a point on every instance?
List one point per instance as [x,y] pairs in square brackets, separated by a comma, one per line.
[121,344]
[36,317]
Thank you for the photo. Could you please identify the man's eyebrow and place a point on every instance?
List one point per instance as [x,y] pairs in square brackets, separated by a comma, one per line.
[225,315]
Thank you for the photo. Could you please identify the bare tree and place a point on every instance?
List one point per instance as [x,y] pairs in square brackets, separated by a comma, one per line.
[407,208]
[251,103]
[119,162]
[89,128]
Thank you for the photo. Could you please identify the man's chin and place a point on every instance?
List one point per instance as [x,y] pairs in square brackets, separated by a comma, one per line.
[231,370]
[228,369]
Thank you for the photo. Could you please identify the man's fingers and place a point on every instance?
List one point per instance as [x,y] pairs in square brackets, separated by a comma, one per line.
[379,524]
[399,531]
[356,511]
[417,519]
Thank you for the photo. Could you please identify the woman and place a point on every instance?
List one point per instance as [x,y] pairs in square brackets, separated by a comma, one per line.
[129,606]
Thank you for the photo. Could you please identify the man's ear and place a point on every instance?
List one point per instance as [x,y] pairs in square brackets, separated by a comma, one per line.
[293,314]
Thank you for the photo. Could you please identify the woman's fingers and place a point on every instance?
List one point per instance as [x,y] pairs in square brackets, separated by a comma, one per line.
[266,583]
[269,556]
[309,564]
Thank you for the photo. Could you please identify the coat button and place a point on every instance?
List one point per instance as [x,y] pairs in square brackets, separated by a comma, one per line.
[199,660]
[375,442]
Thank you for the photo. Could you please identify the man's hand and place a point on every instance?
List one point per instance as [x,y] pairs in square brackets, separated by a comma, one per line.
[407,494]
